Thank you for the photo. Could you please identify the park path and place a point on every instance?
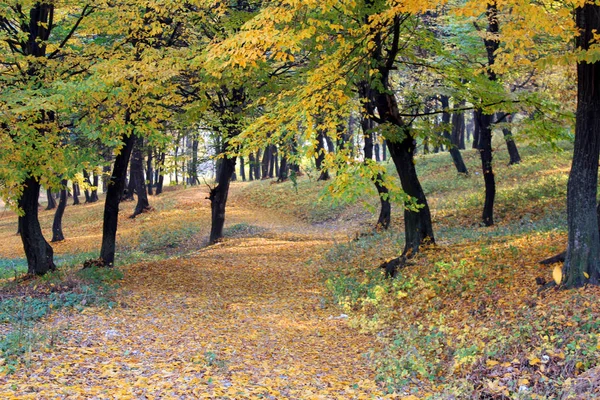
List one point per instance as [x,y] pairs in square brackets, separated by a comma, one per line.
[247,318]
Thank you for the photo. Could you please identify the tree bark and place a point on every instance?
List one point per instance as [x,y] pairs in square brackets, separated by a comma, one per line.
[94,193]
[283,169]
[457,159]
[266,162]
[37,250]
[511,145]
[583,250]
[251,166]
[57,233]
[51,200]
[485,121]
[76,194]
[150,170]
[218,198]
[476,132]
[242,169]
[137,171]
[116,184]
[161,173]
[320,157]
[418,227]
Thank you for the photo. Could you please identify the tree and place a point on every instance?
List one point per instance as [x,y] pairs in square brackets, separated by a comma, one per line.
[35,53]
[582,263]
[57,233]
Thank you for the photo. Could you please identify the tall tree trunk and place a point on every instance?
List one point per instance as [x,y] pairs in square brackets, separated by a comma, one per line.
[266,161]
[161,173]
[251,162]
[273,151]
[320,156]
[511,145]
[57,233]
[130,191]
[242,169]
[76,194]
[384,150]
[385,212]
[137,170]
[257,169]
[51,200]
[418,228]
[457,159]
[218,198]
[37,250]
[377,148]
[113,198]
[149,170]
[485,121]
[283,169]
[583,250]
[476,131]
[194,173]
[458,128]
[94,193]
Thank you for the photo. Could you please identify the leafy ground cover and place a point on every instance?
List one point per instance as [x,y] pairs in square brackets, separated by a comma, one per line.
[292,304]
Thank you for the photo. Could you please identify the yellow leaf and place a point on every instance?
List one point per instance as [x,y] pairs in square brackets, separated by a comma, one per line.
[587,276]
[534,361]
[491,363]
[557,274]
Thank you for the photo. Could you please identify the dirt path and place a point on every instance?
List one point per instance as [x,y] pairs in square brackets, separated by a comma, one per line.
[243,319]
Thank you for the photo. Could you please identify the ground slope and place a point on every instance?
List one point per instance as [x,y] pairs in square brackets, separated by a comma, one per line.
[243,319]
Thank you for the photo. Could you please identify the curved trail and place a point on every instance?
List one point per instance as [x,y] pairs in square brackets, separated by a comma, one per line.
[242,319]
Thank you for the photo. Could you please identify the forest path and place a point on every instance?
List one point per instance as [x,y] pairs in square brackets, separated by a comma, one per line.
[246,318]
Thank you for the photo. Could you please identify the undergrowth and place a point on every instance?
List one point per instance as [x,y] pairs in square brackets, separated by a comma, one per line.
[23,305]
[466,319]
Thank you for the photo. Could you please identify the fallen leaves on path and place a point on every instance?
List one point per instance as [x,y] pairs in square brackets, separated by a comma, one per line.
[244,319]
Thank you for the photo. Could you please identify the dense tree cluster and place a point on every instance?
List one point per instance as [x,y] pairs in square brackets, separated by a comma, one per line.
[115,96]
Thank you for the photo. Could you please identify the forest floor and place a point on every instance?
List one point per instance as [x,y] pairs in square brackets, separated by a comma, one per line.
[247,318]
[292,303]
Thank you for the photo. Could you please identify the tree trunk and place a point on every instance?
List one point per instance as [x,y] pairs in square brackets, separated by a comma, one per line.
[57,233]
[218,198]
[273,160]
[384,150]
[51,200]
[457,159]
[150,171]
[194,173]
[129,192]
[266,161]
[113,198]
[458,128]
[485,122]
[137,170]
[320,156]
[385,212]
[37,250]
[94,193]
[161,175]
[511,146]
[283,169]
[242,169]
[257,165]
[76,194]
[251,166]
[418,227]
[476,131]
[583,250]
